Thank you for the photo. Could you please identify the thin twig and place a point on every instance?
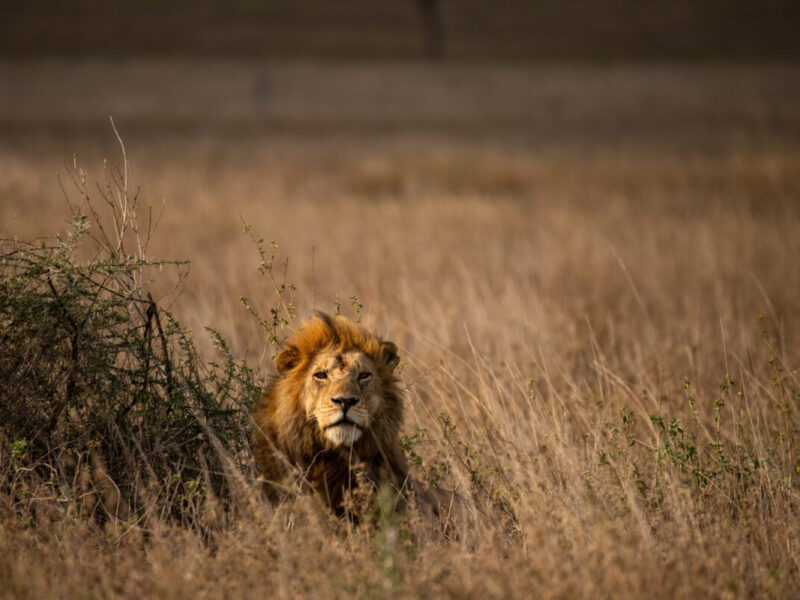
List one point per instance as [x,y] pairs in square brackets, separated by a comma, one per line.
[164,348]
[69,390]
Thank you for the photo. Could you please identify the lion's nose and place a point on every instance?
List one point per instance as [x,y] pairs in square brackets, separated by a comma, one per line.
[345,403]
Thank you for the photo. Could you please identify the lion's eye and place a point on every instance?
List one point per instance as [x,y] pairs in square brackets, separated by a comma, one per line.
[320,375]
[364,376]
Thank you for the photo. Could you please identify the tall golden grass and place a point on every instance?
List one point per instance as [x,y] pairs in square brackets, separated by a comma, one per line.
[598,336]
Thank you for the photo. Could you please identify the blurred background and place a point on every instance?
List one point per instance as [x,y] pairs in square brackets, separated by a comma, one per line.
[524,71]
[367,136]
[463,30]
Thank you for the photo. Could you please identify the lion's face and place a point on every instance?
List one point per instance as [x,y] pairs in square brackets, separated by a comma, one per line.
[342,394]
[337,377]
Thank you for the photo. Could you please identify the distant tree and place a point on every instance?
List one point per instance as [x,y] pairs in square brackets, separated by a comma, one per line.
[432,28]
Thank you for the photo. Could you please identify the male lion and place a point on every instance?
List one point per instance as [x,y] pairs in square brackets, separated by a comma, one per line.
[332,414]
[331,419]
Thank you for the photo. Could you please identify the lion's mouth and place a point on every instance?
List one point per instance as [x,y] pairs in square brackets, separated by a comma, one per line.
[343,421]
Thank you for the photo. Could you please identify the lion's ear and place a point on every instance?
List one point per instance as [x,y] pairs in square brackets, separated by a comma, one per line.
[287,359]
[388,355]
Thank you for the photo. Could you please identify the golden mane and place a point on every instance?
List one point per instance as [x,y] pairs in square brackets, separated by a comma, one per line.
[324,331]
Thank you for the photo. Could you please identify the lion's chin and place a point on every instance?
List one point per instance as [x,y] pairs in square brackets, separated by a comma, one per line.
[345,434]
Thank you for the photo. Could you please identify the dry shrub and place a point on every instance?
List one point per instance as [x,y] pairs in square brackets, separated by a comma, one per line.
[106,407]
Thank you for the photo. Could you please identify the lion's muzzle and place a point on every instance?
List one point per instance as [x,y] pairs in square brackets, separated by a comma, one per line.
[343,430]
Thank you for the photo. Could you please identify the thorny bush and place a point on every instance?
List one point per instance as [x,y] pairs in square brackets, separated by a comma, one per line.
[105,404]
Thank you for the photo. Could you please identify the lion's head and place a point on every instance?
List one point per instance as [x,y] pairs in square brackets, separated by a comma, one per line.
[334,402]
[341,375]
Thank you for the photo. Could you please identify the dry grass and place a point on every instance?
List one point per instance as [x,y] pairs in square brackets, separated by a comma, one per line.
[560,284]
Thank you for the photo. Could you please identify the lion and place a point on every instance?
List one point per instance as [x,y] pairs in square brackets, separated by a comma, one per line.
[332,417]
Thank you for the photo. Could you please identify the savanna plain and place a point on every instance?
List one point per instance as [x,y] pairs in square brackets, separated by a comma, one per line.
[591,272]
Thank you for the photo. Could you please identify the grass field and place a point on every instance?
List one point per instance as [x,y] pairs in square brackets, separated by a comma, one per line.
[590,271]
